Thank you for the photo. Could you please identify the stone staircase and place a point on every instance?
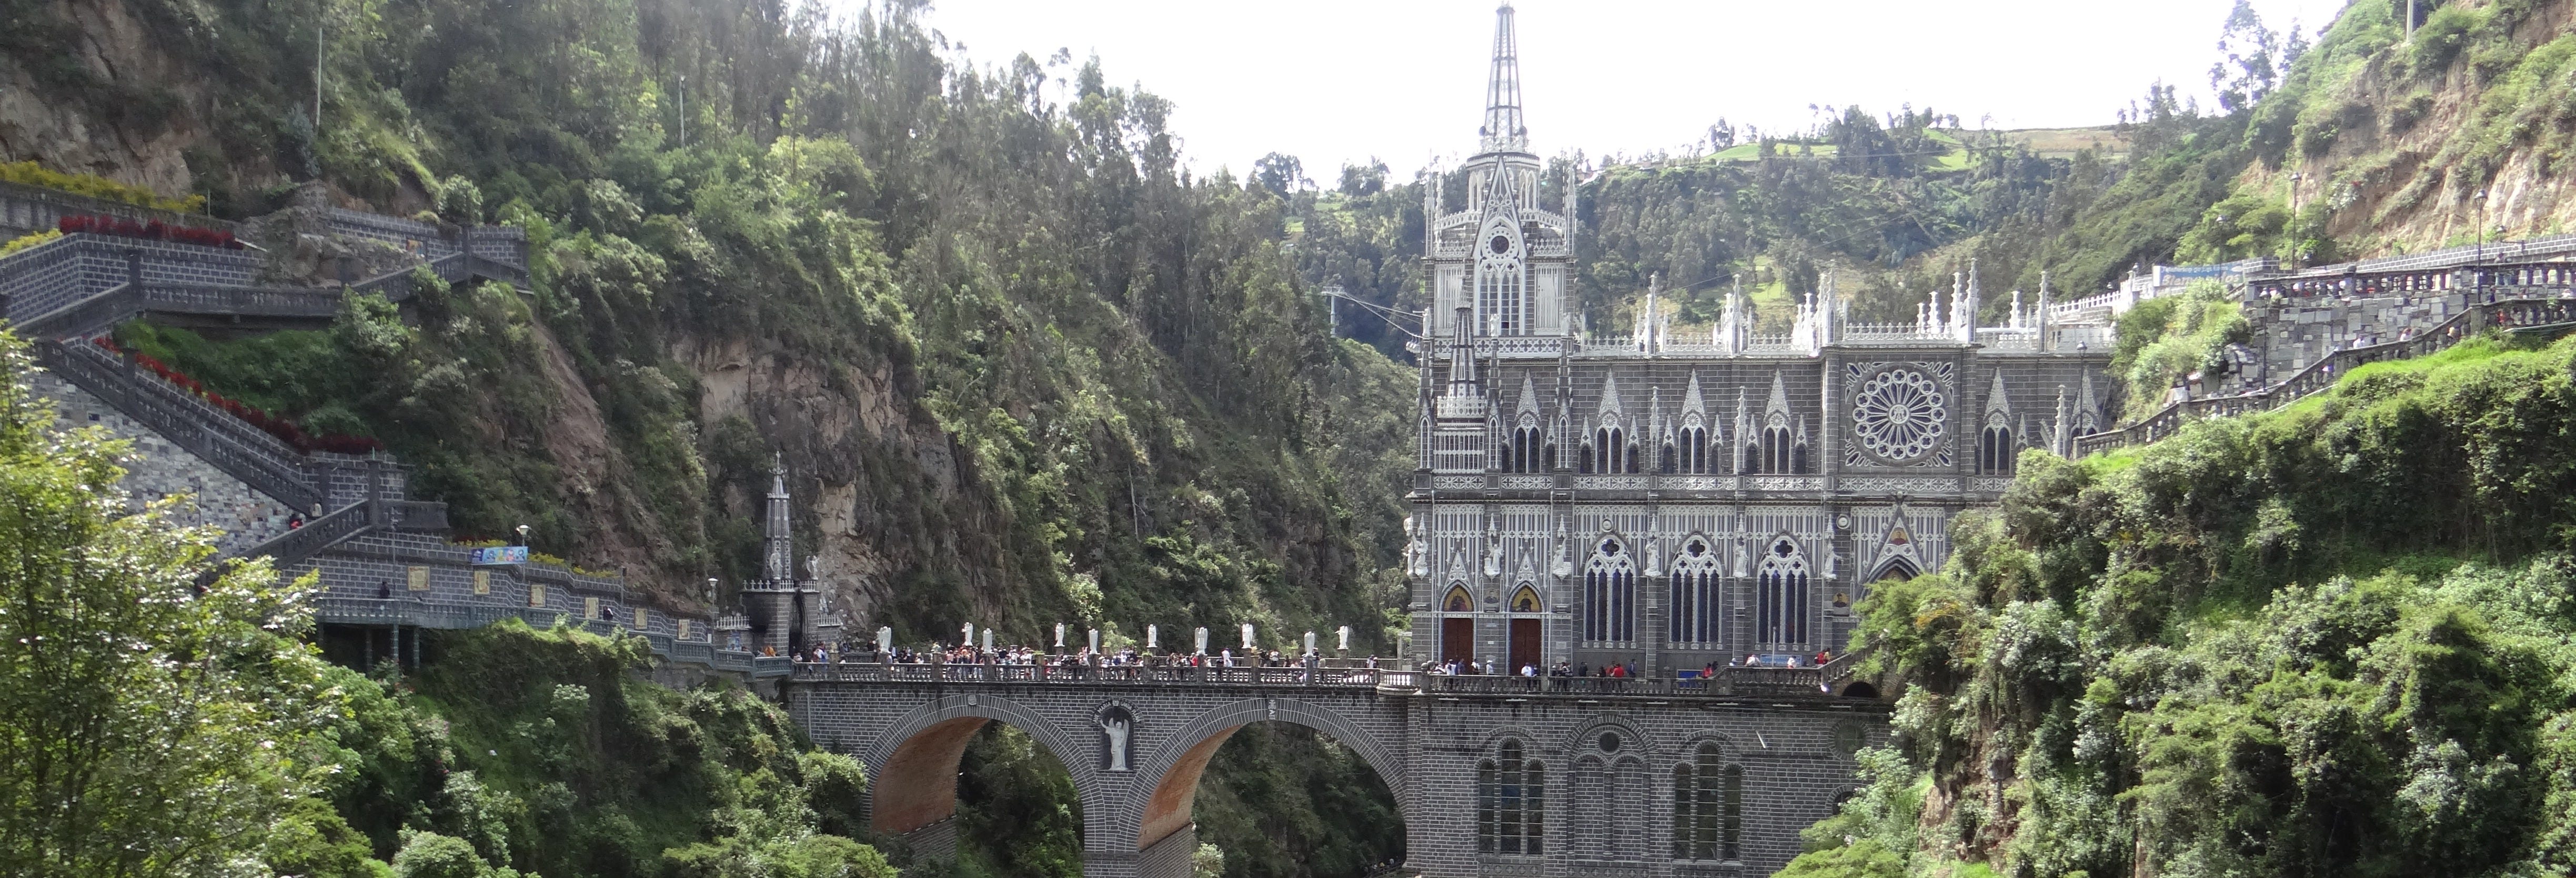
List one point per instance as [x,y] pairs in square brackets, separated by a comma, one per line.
[384,558]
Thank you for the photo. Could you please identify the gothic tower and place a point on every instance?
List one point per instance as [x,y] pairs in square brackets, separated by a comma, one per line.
[784,611]
[1502,257]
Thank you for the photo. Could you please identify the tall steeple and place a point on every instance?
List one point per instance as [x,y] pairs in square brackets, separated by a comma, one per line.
[1504,131]
[778,542]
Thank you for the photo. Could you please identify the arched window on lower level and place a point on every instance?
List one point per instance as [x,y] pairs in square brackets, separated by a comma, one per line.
[1511,803]
[1708,807]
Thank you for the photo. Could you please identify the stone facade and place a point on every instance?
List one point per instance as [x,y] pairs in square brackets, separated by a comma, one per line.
[1602,803]
[1677,497]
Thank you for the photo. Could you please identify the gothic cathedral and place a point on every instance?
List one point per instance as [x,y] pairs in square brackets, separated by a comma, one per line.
[1677,497]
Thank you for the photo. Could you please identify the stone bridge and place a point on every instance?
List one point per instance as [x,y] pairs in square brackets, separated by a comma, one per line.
[1493,775]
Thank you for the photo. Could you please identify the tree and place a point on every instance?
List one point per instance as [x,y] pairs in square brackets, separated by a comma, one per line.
[1281,174]
[150,725]
[1368,179]
[2256,59]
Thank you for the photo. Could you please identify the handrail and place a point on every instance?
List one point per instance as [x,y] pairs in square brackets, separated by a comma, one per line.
[293,546]
[1767,682]
[213,435]
[2317,377]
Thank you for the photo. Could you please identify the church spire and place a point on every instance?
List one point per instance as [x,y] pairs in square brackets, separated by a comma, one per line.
[1503,131]
[780,568]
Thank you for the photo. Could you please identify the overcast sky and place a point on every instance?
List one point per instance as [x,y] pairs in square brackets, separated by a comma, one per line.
[1332,81]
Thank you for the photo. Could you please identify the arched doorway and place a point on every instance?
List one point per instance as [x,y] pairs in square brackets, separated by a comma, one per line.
[1171,780]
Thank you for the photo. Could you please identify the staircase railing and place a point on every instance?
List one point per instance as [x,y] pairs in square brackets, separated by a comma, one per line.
[243,451]
[2320,375]
[293,546]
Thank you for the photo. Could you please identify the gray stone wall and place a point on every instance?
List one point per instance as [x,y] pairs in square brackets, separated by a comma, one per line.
[2291,334]
[161,468]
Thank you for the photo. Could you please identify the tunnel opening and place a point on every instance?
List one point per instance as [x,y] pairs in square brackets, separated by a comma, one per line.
[1276,799]
[975,797]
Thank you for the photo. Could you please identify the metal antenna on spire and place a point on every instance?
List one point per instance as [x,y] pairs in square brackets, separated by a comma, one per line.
[1504,131]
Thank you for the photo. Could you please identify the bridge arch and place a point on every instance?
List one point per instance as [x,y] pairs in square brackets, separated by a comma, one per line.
[1170,777]
[912,767]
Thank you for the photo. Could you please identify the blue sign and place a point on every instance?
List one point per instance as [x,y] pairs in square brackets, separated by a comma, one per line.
[501,555]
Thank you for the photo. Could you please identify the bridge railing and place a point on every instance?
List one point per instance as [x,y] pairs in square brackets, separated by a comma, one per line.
[1726,682]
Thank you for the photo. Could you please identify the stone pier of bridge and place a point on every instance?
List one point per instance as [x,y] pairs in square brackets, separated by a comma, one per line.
[1601,759]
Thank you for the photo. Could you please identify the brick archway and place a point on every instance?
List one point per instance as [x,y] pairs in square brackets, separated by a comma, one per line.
[1169,779]
[912,768]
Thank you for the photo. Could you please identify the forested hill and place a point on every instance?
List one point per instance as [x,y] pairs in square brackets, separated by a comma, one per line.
[1024,368]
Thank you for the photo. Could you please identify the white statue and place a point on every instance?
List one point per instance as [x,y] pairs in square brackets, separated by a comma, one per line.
[1743,564]
[1654,557]
[1493,554]
[1417,558]
[1116,727]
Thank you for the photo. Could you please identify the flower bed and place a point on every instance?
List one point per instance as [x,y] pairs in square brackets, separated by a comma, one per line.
[285,430]
[155,230]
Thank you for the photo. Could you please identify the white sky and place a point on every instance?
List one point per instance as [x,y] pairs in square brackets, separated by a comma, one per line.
[1331,81]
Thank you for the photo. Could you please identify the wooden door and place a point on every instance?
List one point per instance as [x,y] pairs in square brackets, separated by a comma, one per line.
[1458,639]
[1524,645]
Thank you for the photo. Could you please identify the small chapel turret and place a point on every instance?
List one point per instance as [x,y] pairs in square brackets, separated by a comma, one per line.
[785,613]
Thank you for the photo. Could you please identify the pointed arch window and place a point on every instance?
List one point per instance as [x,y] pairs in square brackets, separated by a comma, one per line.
[1695,594]
[1525,600]
[1615,455]
[1995,449]
[1502,287]
[1708,807]
[1610,594]
[1523,456]
[1694,450]
[1780,596]
[1779,455]
[1511,803]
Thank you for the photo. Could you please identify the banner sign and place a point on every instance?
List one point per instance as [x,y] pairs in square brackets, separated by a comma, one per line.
[501,555]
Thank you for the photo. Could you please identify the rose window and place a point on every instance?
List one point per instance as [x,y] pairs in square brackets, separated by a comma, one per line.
[1898,414]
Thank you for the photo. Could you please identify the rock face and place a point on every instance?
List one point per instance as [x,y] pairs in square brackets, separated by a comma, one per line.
[137,120]
[2397,151]
[303,249]
[870,469]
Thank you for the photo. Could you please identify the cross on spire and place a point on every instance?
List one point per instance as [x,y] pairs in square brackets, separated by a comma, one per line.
[1504,131]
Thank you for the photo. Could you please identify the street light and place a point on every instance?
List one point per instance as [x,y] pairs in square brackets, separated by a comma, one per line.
[523,535]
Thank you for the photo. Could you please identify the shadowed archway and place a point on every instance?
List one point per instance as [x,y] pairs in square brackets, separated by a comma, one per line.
[912,784]
[1173,774]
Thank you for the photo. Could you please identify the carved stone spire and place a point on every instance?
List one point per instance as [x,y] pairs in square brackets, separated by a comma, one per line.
[1504,130]
[779,543]
[1964,311]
